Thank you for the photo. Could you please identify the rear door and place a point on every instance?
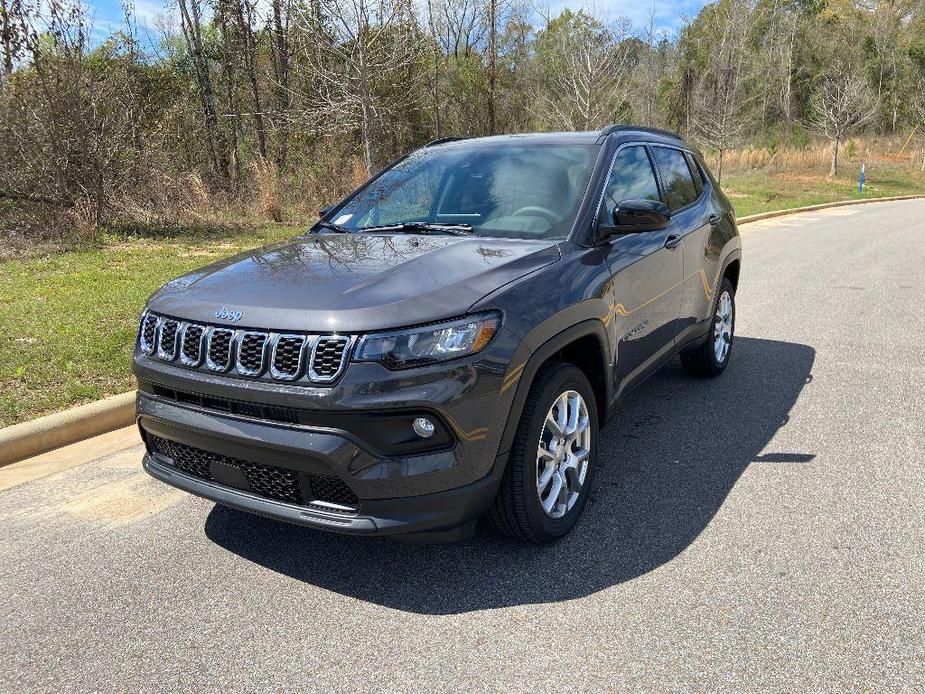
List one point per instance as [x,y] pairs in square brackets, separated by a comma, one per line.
[646,271]
[691,215]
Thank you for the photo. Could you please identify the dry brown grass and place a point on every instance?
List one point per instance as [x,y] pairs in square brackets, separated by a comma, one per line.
[898,149]
[266,181]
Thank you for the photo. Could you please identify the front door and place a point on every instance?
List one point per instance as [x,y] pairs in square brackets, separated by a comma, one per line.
[647,267]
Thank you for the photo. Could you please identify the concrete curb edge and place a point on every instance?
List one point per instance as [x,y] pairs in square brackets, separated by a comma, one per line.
[822,206]
[36,436]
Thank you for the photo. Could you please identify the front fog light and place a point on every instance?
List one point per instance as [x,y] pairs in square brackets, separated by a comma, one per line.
[423,427]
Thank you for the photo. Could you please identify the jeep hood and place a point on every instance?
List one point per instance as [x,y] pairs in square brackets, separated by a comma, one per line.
[352,282]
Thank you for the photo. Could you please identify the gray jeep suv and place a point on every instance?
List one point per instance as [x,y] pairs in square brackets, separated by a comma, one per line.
[445,343]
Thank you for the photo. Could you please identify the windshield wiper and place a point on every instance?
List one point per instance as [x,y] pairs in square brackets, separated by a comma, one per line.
[424,227]
[332,226]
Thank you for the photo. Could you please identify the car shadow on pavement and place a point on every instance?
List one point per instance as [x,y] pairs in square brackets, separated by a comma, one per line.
[668,458]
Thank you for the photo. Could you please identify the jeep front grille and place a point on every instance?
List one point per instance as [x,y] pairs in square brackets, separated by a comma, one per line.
[191,344]
[268,481]
[288,353]
[246,353]
[252,348]
[328,358]
[167,339]
[218,356]
[147,335]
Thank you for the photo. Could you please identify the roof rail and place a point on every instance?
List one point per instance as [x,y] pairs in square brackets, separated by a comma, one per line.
[610,129]
[441,140]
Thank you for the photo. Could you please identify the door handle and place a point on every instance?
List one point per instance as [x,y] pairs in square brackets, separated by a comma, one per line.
[673,241]
[715,219]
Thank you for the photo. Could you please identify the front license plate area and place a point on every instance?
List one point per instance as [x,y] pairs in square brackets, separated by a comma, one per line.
[229,475]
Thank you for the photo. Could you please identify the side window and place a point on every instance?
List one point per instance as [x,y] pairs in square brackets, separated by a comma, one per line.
[695,172]
[679,186]
[632,178]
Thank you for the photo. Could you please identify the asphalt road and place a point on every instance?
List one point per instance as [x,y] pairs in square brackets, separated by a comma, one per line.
[762,531]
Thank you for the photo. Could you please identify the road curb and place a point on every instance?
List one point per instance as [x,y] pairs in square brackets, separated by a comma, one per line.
[822,206]
[62,428]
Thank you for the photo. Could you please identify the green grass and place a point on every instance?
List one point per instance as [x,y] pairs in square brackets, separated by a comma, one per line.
[68,321]
[757,191]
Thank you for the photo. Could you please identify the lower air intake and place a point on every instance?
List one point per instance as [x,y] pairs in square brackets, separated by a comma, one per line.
[267,481]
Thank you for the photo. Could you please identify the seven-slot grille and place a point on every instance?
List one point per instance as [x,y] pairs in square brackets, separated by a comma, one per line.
[271,482]
[147,336]
[328,358]
[167,339]
[218,354]
[288,354]
[284,356]
[191,344]
[251,350]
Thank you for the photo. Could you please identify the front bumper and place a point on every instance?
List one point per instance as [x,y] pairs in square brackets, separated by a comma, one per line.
[416,514]
[393,496]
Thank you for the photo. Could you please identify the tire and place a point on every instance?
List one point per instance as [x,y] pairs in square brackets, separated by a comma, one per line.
[704,361]
[518,509]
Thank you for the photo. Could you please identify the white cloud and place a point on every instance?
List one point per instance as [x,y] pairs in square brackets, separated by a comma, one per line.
[669,14]
[147,11]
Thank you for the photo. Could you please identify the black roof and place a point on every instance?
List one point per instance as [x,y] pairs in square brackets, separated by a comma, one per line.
[580,137]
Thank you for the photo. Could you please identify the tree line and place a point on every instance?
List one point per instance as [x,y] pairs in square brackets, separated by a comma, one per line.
[233,107]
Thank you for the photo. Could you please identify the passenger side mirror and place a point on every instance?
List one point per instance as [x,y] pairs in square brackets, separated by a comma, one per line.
[635,216]
[324,210]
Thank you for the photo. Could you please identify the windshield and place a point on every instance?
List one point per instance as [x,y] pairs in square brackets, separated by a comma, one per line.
[516,191]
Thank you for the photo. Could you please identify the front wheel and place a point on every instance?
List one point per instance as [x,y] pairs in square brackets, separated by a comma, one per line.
[711,357]
[548,477]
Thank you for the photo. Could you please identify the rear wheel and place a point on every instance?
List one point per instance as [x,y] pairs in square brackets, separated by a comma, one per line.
[548,477]
[711,357]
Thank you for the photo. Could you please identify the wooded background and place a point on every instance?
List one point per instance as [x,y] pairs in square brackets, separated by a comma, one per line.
[239,109]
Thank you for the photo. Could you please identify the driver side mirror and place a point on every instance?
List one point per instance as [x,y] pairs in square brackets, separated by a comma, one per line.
[635,216]
[324,210]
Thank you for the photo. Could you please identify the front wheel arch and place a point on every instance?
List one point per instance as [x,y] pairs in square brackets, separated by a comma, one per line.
[568,346]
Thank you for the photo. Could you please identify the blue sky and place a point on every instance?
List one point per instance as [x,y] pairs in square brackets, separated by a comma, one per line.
[669,13]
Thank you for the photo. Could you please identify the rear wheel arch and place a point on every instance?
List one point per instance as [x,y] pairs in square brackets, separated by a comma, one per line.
[731,272]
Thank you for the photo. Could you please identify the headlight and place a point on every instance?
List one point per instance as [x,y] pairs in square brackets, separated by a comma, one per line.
[429,344]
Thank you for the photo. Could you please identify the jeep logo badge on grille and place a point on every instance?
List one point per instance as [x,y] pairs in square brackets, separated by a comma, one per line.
[224,313]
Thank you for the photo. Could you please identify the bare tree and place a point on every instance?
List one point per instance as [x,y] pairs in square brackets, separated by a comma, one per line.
[457,28]
[918,108]
[786,49]
[492,62]
[459,25]
[650,67]
[227,53]
[359,46]
[282,57]
[70,126]
[246,19]
[723,108]
[841,103]
[584,65]
[191,23]
[11,36]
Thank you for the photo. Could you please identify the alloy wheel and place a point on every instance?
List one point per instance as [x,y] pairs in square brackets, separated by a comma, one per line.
[563,454]
[722,327]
